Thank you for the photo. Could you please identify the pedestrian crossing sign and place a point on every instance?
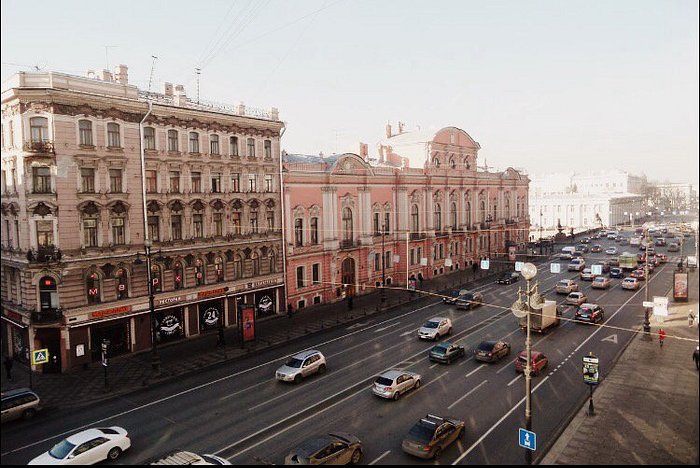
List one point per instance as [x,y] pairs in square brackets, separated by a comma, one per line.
[40,356]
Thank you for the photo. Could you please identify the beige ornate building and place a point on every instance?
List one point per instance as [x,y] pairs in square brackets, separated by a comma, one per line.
[73,269]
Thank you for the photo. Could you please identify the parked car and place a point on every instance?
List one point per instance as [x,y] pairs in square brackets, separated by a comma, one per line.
[87,447]
[611,251]
[183,457]
[566,286]
[469,300]
[302,365]
[630,283]
[592,313]
[587,275]
[509,277]
[394,383]
[539,362]
[20,403]
[446,352]
[333,449]
[616,272]
[596,248]
[576,298]
[453,295]
[431,435]
[491,351]
[576,264]
[435,328]
[601,282]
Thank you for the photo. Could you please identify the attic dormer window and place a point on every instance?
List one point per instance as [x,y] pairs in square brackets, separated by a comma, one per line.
[436,161]
[452,163]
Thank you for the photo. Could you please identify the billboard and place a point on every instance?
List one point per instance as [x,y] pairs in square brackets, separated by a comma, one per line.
[248,322]
[680,286]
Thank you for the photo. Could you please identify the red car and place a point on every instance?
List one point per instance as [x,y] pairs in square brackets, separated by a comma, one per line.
[661,258]
[638,274]
[539,362]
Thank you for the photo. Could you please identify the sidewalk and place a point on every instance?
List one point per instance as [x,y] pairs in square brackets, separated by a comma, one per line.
[646,410]
[131,372]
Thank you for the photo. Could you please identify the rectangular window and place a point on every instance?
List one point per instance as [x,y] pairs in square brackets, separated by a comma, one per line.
[387,259]
[268,149]
[376,224]
[268,183]
[87,175]
[216,182]
[270,220]
[118,236]
[8,237]
[316,273]
[386,222]
[194,142]
[252,183]
[12,134]
[196,182]
[174,181]
[377,262]
[90,232]
[42,180]
[197,226]
[154,228]
[176,226]
[236,222]
[149,138]
[419,255]
[214,144]
[218,224]
[113,139]
[254,221]
[298,232]
[151,181]
[251,148]
[235,183]
[115,181]
[85,132]
[314,230]
[173,143]
[413,257]
[300,277]
[44,233]
[233,146]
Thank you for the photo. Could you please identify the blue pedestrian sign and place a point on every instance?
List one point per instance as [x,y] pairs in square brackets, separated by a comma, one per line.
[40,356]
[528,439]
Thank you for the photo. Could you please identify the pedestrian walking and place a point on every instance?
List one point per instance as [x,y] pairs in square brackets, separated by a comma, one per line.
[8,367]
[691,318]
[662,337]
[696,357]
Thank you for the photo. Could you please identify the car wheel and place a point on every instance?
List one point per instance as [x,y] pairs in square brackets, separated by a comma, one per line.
[28,413]
[356,457]
[437,453]
[114,453]
[322,369]
[417,384]
[297,379]
[395,396]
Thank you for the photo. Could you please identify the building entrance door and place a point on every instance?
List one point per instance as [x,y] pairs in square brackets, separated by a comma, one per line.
[348,275]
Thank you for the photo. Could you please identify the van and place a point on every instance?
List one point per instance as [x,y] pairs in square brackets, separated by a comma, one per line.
[19,403]
[570,249]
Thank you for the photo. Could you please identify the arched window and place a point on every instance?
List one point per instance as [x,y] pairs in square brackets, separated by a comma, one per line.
[314,230]
[347,225]
[92,285]
[178,276]
[219,267]
[298,232]
[272,263]
[214,144]
[173,141]
[237,267]
[85,132]
[156,278]
[48,294]
[452,163]
[236,221]
[39,127]
[469,214]
[453,215]
[194,142]
[436,161]
[414,219]
[113,137]
[253,217]
[255,262]
[507,206]
[199,273]
[121,283]
[149,138]
[437,213]
[482,211]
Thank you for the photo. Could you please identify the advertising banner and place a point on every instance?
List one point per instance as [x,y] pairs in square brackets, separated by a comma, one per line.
[265,302]
[680,286]
[210,313]
[511,253]
[590,370]
[169,325]
[248,322]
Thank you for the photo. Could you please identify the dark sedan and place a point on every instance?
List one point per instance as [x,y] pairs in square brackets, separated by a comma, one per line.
[469,300]
[616,273]
[446,352]
[508,277]
[491,351]
[453,295]
[591,313]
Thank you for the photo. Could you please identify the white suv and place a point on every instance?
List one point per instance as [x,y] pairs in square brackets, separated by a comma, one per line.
[302,365]
[566,286]
[577,264]
[435,328]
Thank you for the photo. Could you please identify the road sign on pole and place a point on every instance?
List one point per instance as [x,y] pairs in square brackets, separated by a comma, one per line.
[40,356]
[527,439]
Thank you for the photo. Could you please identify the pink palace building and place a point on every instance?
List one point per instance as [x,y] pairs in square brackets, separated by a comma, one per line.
[421,209]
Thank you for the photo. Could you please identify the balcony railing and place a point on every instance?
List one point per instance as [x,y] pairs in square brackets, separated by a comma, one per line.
[45,254]
[348,244]
[45,147]
[48,316]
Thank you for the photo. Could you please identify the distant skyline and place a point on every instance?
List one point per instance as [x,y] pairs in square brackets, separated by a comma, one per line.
[548,86]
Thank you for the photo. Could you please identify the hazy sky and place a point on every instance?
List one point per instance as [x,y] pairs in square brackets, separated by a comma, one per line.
[544,85]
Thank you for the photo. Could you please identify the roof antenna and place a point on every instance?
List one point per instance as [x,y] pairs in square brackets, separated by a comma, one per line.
[197,71]
[153,66]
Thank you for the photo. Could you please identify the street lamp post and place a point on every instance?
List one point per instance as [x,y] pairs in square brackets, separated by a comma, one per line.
[383,295]
[647,325]
[529,271]
[540,232]
[488,233]
[155,358]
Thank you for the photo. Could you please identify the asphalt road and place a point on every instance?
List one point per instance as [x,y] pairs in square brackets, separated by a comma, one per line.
[240,412]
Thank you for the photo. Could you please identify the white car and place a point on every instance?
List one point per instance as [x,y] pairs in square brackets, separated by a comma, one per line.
[87,447]
[435,328]
[302,365]
[576,264]
[393,383]
[611,251]
[576,298]
[630,283]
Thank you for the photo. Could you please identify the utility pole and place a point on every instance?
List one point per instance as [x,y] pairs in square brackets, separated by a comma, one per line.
[197,72]
[383,295]
[529,271]
[647,325]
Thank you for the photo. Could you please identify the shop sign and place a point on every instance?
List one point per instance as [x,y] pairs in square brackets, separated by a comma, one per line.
[209,314]
[169,326]
[113,311]
[13,315]
[169,300]
[265,304]
[213,292]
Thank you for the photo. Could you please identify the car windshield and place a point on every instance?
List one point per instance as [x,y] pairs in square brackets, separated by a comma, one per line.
[439,349]
[431,324]
[294,362]
[467,297]
[486,346]
[61,449]
[563,283]
[421,433]
[384,381]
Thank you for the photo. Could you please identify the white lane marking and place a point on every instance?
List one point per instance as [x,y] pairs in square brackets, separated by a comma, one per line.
[514,380]
[358,325]
[380,457]
[423,386]
[231,395]
[466,360]
[469,393]
[386,328]
[498,423]
[477,369]
[434,366]
[507,366]
[409,332]
[612,338]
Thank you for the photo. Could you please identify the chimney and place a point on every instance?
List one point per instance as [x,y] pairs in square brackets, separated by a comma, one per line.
[91,74]
[168,89]
[121,74]
[401,125]
[180,96]
[106,76]
[364,150]
[388,130]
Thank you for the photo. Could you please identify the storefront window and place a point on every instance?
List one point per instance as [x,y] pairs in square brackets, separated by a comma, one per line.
[169,325]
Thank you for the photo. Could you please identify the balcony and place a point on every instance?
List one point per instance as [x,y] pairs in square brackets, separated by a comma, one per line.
[45,254]
[417,235]
[48,316]
[39,147]
[346,244]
